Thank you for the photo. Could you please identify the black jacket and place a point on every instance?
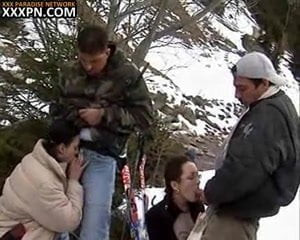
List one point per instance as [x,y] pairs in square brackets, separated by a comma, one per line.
[261,170]
[161,217]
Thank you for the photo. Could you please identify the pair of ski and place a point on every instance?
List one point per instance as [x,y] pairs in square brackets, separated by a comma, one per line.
[135,211]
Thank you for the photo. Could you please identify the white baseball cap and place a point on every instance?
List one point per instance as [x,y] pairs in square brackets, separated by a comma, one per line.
[258,65]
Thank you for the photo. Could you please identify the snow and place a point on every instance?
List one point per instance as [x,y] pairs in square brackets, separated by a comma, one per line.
[210,76]
[202,74]
[292,89]
[159,84]
[216,111]
[199,130]
[206,71]
[284,225]
[238,21]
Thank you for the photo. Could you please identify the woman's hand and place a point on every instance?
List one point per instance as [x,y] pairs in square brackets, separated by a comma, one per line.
[76,168]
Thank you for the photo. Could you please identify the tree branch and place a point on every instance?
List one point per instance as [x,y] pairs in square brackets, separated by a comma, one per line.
[136,7]
[196,18]
[112,17]
[88,15]
[141,51]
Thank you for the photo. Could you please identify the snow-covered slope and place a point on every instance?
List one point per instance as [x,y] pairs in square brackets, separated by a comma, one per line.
[199,98]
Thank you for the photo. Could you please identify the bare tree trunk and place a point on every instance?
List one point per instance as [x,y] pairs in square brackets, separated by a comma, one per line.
[88,14]
[156,168]
[141,51]
[112,17]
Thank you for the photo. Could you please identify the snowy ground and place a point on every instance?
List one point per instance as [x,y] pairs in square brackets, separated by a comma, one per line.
[285,225]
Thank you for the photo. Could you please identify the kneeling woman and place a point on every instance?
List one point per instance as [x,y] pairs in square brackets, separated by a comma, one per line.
[39,193]
[173,218]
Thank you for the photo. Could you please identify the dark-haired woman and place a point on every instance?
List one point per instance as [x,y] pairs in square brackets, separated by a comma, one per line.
[39,193]
[173,218]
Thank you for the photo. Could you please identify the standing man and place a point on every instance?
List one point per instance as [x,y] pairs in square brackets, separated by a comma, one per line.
[260,171]
[104,94]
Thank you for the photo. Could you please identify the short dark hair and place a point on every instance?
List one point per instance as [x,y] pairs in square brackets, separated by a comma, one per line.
[173,171]
[61,131]
[92,39]
[256,81]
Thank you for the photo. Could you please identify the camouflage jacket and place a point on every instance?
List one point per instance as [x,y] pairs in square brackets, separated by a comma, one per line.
[121,91]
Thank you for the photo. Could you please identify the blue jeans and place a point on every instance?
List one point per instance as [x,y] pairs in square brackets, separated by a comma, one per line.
[98,182]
